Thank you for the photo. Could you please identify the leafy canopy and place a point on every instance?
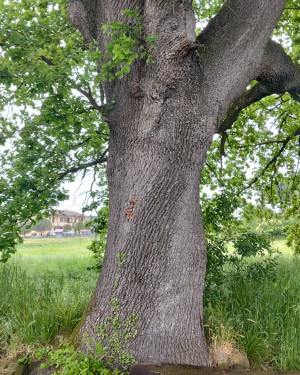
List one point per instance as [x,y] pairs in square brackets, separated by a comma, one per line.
[52,112]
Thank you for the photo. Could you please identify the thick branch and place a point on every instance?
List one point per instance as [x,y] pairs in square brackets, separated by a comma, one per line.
[235,42]
[249,97]
[277,75]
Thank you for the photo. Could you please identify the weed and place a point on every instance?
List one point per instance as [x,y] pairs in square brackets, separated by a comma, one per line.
[68,361]
[116,335]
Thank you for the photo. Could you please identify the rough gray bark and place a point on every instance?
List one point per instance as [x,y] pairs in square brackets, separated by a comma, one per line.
[165,116]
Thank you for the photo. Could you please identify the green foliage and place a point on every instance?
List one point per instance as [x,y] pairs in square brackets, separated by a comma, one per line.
[69,361]
[9,238]
[102,360]
[206,10]
[127,43]
[78,226]
[116,334]
[98,225]
[44,224]
[222,228]
[250,244]
[97,247]
[293,239]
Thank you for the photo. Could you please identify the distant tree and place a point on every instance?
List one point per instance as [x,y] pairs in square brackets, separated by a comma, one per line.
[25,229]
[67,227]
[44,224]
[79,226]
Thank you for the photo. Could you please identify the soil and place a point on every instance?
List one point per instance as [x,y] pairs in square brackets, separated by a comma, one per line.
[164,369]
[14,368]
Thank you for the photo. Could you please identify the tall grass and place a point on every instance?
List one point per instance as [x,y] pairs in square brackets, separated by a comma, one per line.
[258,308]
[41,297]
[45,288]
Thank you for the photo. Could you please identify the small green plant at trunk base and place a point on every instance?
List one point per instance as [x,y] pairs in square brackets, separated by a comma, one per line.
[68,361]
[116,335]
[109,355]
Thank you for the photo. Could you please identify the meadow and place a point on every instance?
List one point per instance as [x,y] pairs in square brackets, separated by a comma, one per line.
[46,286]
[44,289]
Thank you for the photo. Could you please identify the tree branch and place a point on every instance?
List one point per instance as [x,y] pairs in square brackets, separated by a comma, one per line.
[235,41]
[87,94]
[100,160]
[91,99]
[277,75]
[47,61]
[214,173]
[249,97]
[260,144]
[271,162]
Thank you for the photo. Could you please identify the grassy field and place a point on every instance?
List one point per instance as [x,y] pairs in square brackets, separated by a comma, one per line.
[45,287]
[44,290]
[64,247]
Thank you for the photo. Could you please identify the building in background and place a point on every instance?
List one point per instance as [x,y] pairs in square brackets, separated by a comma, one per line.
[63,217]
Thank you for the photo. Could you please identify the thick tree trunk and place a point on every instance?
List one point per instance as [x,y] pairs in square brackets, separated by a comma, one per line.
[154,166]
[161,129]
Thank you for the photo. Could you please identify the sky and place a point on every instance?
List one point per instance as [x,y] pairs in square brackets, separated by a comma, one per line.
[78,194]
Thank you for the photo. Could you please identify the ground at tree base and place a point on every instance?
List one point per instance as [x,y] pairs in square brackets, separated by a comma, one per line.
[164,369]
[11,367]
[14,368]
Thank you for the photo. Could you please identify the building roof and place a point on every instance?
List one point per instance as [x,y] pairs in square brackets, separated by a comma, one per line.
[68,213]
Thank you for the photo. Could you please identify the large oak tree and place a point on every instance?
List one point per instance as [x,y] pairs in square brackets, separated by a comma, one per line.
[161,128]
[162,117]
